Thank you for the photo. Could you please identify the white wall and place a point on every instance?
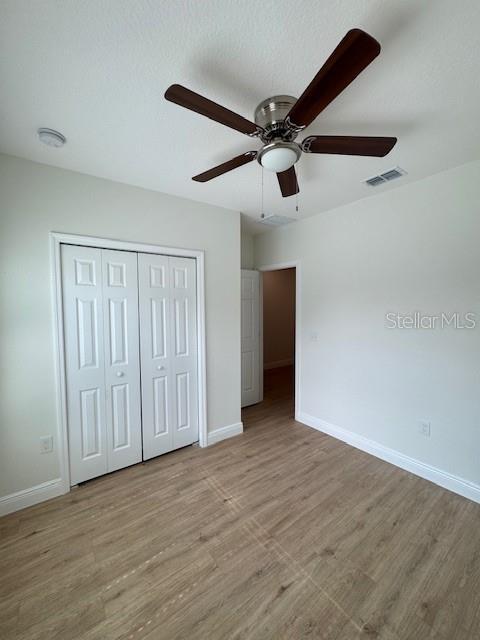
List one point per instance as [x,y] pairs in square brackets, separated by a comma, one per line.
[414,248]
[278,318]
[246,248]
[36,199]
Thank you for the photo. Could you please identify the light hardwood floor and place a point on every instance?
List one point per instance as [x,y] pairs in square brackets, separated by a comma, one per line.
[281,533]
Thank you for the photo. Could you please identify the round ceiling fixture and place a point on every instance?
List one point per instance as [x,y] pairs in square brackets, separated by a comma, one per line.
[51,137]
[279,156]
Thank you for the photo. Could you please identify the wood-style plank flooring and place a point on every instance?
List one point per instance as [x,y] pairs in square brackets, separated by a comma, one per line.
[281,533]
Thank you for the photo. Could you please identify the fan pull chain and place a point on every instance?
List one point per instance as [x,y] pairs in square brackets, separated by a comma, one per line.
[296,195]
[262,211]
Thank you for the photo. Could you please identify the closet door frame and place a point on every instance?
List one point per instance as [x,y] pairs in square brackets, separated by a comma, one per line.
[56,240]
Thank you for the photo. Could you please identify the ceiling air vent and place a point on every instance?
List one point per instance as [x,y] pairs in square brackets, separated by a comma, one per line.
[391,174]
[273,220]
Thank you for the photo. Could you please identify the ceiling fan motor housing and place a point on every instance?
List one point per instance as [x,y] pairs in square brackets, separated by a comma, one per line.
[270,116]
[280,151]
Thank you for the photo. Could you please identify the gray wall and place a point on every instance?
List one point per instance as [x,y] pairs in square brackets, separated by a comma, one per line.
[414,248]
[36,199]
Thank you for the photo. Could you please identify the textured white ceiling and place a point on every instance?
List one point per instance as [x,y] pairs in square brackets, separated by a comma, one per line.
[97,70]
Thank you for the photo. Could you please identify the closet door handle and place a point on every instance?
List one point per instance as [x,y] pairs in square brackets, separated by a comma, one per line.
[160,367]
[119,374]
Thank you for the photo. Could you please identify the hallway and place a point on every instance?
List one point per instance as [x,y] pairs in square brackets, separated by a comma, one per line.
[278,398]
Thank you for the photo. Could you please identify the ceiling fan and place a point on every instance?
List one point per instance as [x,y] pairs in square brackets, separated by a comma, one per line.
[279,119]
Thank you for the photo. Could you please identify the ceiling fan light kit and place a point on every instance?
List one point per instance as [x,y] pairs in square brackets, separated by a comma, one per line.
[278,120]
[278,155]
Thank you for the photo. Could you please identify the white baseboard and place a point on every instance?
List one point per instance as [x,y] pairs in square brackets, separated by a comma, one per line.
[53,488]
[444,479]
[278,363]
[31,496]
[225,432]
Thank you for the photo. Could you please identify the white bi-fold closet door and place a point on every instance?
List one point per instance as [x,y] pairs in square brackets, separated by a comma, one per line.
[100,302]
[168,342]
[108,342]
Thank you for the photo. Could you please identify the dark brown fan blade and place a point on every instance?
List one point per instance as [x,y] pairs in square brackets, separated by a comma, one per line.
[195,102]
[355,52]
[288,182]
[349,145]
[238,161]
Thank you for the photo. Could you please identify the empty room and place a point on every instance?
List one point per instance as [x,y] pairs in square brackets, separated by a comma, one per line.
[239,320]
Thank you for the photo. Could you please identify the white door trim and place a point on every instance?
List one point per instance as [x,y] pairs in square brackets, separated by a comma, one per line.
[292,264]
[56,240]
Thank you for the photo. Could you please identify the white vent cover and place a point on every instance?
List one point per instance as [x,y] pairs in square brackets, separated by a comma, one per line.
[391,174]
[273,220]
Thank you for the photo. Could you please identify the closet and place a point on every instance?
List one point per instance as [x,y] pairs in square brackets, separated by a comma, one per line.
[130,357]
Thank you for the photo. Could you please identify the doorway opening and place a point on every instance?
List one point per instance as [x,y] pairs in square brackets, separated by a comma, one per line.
[270,311]
[279,303]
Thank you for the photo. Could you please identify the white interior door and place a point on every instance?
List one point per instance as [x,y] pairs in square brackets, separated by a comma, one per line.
[122,365]
[84,357]
[168,339]
[251,356]
[154,308]
[100,298]
[184,353]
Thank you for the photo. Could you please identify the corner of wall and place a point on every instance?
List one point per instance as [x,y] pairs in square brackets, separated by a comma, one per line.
[223,433]
[439,477]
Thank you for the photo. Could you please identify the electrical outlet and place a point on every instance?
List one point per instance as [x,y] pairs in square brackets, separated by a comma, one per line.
[424,428]
[46,444]
[313,336]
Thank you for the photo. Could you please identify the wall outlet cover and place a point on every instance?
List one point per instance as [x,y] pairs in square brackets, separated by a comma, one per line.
[424,428]
[46,444]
